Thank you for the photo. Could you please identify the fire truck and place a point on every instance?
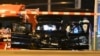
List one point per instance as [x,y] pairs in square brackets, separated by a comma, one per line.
[33,29]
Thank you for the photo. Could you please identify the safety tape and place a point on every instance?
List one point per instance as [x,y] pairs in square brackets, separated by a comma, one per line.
[50,13]
[58,13]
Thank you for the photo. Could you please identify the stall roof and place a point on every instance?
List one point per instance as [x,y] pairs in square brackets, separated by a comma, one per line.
[10,9]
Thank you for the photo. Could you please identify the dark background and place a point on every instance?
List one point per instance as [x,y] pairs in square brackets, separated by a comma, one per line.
[56,6]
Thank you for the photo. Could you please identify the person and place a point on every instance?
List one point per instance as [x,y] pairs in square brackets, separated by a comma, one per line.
[5,32]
